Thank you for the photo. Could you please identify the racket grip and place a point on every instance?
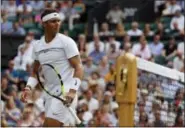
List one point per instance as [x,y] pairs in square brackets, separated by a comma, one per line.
[78,121]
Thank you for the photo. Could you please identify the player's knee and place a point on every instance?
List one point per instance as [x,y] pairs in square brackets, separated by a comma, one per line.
[49,122]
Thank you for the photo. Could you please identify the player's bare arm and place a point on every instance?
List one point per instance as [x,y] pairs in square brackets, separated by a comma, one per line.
[36,65]
[77,65]
[78,72]
[32,82]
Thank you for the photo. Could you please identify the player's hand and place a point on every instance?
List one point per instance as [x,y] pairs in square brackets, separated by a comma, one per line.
[25,94]
[69,97]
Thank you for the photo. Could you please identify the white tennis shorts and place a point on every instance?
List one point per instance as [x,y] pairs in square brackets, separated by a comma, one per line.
[55,109]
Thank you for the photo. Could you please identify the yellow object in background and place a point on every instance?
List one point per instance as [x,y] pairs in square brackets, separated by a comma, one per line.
[126,88]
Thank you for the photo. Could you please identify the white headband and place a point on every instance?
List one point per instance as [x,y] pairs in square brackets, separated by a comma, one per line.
[51,16]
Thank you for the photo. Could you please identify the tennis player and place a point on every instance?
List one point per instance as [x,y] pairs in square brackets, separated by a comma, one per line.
[61,52]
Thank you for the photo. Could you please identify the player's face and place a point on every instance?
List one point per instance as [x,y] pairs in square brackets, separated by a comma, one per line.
[53,25]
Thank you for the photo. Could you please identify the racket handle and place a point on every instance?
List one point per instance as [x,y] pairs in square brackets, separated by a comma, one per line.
[78,121]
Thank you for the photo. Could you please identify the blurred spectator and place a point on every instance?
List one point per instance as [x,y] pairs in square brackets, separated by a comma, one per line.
[97,54]
[17,29]
[97,118]
[158,122]
[103,66]
[182,70]
[107,119]
[27,46]
[92,123]
[115,16]
[24,6]
[115,113]
[111,40]
[170,49]
[4,88]
[50,4]
[20,61]
[139,109]
[178,102]
[2,107]
[171,7]
[10,8]
[3,121]
[156,47]
[27,118]
[11,74]
[179,122]
[126,39]
[160,30]
[164,109]
[24,74]
[180,47]
[31,35]
[89,67]
[13,114]
[37,5]
[143,120]
[151,91]
[159,7]
[68,9]
[104,31]
[6,25]
[108,99]
[120,30]
[38,122]
[145,98]
[96,41]
[37,19]
[93,103]
[127,47]
[112,54]
[170,88]
[87,115]
[181,3]
[142,49]
[82,47]
[58,5]
[96,84]
[147,30]
[135,31]
[177,22]
[178,61]
[156,105]
[171,116]
[110,76]
[12,92]
[79,6]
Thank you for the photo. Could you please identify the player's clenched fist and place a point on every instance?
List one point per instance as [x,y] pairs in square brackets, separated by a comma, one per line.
[25,94]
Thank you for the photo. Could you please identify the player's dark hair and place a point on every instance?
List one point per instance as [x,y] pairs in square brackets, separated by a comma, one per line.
[47,11]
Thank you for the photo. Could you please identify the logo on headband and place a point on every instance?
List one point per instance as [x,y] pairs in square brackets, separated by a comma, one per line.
[50,16]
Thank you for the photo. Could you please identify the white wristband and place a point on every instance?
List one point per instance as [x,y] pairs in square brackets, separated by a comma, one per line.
[76,83]
[32,82]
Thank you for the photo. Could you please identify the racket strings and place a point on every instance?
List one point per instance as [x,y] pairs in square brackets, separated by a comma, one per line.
[49,78]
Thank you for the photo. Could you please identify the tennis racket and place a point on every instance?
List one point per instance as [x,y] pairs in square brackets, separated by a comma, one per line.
[47,73]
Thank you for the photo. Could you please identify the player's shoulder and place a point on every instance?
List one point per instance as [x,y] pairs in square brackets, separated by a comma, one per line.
[37,43]
[65,39]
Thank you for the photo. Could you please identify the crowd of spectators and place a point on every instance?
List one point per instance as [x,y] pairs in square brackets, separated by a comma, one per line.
[160,101]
